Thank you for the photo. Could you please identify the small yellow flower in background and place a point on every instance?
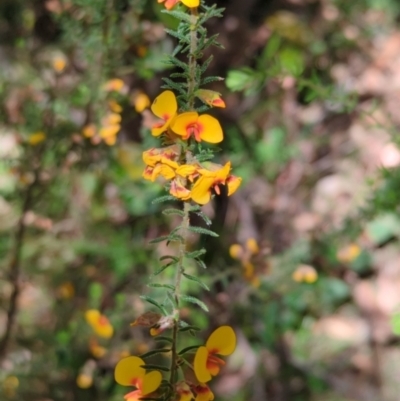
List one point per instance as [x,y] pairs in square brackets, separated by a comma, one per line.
[184,392]
[202,128]
[114,106]
[164,107]
[95,349]
[66,290]
[203,393]
[114,85]
[222,341]
[36,138]
[245,255]
[141,50]
[10,385]
[89,131]
[252,246]
[210,97]
[305,274]
[84,381]
[129,372]
[99,323]
[348,253]
[141,102]
[59,63]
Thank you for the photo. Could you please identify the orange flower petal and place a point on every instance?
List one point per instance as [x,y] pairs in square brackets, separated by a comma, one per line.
[233,183]
[222,341]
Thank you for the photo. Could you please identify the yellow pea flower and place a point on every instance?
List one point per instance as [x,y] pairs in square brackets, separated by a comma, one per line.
[165,107]
[84,381]
[211,179]
[222,341]
[36,138]
[114,85]
[171,3]
[129,372]
[305,274]
[210,97]
[141,102]
[183,391]
[178,190]
[203,393]
[99,323]
[202,128]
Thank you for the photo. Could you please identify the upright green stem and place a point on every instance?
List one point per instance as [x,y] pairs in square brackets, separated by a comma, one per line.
[192,58]
[186,206]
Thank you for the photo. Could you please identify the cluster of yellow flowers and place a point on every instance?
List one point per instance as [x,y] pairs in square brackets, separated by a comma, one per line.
[189,179]
[206,363]
[246,257]
[110,124]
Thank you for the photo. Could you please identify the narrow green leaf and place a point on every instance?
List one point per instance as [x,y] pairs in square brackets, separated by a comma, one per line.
[159,239]
[181,16]
[155,367]
[201,263]
[155,352]
[162,268]
[171,299]
[157,285]
[178,35]
[168,212]
[175,238]
[155,303]
[189,328]
[205,218]
[195,301]
[187,349]
[173,258]
[195,254]
[198,281]
[164,198]
[208,80]
[163,338]
[201,230]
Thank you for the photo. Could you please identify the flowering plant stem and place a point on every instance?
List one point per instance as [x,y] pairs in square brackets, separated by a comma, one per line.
[186,205]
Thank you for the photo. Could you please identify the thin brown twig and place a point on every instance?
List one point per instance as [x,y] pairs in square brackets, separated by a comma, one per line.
[14,267]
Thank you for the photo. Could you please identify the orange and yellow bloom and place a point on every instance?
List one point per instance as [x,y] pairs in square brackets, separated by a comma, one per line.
[211,179]
[164,107]
[171,3]
[203,393]
[99,323]
[130,372]
[222,341]
[201,127]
